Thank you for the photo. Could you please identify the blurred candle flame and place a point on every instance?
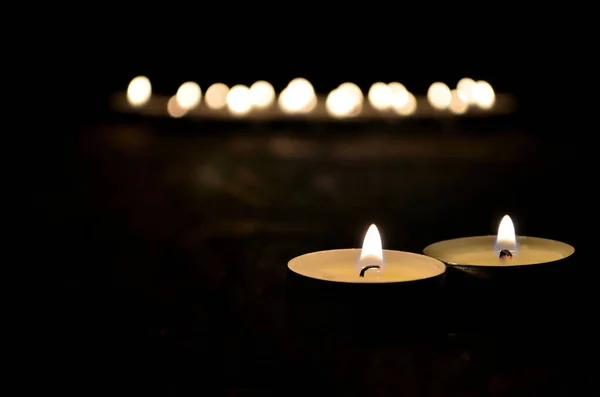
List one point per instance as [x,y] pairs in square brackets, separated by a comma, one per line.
[298,97]
[188,95]
[174,109]
[216,96]
[439,95]
[262,93]
[484,95]
[506,238]
[139,91]
[344,101]
[380,96]
[408,108]
[465,87]
[459,103]
[372,252]
[239,100]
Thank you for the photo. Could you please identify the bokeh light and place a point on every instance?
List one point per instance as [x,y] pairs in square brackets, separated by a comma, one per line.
[353,90]
[459,103]
[357,97]
[311,105]
[139,91]
[340,103]
[174,109]
[263,94]
[483,95]
[216,96]
[239,100]
[188,95]
[409,107]
[380,96]
[298,97]
[439,95]
[465,87]
[399,95]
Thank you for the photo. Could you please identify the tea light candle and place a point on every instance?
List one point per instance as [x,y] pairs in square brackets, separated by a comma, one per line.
[369,265]
[503,250]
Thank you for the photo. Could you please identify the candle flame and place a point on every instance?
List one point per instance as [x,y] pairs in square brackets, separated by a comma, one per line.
[506,238]
[372,252]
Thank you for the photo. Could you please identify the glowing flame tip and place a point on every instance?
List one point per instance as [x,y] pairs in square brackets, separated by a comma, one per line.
[372,252]
[506,238]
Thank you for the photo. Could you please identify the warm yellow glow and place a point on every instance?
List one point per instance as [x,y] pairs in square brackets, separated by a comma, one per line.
[303,90]
[300,84]
[354,91]
[372,244]
[372,252]
[216,96]
[506,238]
[340,103]
[397,87]
[239,100]
[311,104]
[188,95]
[298,97]
[174,109]
[439,96]
[380,96]
[409,107]
[263,94]
[139,91]
[483,95]
[459,103]
[400,96]
[287,103]
[345,101]
[466,86]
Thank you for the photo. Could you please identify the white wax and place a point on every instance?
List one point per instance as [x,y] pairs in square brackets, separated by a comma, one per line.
[480,251]
[340,266]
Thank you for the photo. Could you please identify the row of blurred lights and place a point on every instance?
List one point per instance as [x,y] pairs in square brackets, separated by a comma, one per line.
[299,97]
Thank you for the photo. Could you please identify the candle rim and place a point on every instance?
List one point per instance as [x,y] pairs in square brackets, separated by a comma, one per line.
[439,265]
[569,249]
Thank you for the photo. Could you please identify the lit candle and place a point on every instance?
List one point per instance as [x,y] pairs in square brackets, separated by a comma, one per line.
[515,279]
[503,250]
[371,265]
[367,293]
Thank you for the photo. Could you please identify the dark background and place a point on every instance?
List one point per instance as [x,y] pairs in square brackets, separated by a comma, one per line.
[171,237]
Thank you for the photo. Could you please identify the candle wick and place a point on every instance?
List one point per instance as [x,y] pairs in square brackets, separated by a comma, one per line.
[364,269]
[505,254]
